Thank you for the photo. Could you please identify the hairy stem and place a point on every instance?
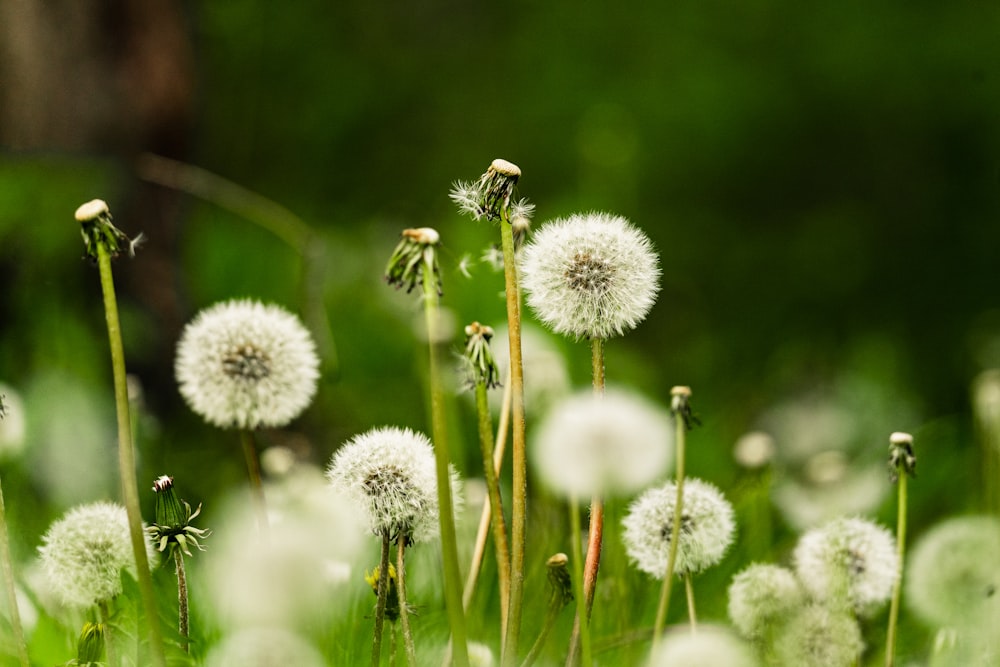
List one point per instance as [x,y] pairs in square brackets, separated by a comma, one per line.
[890,641]
[382,593]
[501,547]
[555,606]
[582,617]
[404,615]
[183,620]
[109,643]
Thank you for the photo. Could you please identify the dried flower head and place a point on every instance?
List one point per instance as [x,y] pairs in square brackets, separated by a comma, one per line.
[481,367]
[850,561]
[415,260]
[901,458]
[96,228]
[709,647]
[590,276]
[389,473]
[486,197]
[762,595]
[84,552]
[243,364]
[707,528]
[819,636]
[617,444]
[953,574]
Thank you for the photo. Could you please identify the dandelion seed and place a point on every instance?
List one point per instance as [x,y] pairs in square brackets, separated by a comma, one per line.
[818,636]
[760,596]
[707,528]
[84,552]
[849,560]
[617,444]
[710,647]
[243,364]
[590,276]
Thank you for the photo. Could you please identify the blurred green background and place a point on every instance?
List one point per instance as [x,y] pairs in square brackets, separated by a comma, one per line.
[820,180]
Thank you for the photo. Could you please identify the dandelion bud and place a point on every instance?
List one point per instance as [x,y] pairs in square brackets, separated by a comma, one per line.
[760,596]
[90,646]
[901,458]
[479,360]
[173,519]
[392,592]
[590,276]
[707,528]
[415,260]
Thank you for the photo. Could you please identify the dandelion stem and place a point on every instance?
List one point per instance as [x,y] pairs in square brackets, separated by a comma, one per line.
[555,606]
[578,575]
[381,594]
[183,620]
[126,455]
[519,499]
[496,506]
[689,591]
[8,575]
[890,641]
[449,541]
[256,485]
[109,644]
[404,615]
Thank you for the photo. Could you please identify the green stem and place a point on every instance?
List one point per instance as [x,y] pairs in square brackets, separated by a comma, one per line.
[126,457]
[256,484]
[689,591]
[495,503]
[381,594]
[555,606]
[449,541]
[519,498]
[582,617]
[109,643]
[890,641]
[404,616]
[183,619]
[8,575]
[675,531]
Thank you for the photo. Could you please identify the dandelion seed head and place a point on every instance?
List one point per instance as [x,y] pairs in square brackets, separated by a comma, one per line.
[615,445]
[953,574]
[761,595]
[819,636]
[849,560]
[590,276]
[706,533]
[710,647]
[389,473]
[84,552]
[243,364]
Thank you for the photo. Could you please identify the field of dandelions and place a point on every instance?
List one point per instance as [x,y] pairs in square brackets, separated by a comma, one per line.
[541,512]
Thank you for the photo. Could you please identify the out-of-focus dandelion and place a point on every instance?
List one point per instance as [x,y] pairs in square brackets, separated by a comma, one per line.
[264,647]
[819,636]
[761,596]
[710,647]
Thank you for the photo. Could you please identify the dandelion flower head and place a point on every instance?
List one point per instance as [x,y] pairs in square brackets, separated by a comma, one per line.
[590,275]
[243,364]
[707,528]
[84,552]
[619,443]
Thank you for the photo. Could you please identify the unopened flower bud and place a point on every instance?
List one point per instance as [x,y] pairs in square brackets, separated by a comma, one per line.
[90,646]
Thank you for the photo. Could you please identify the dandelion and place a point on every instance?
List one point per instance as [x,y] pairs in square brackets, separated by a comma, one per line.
[706,533]
[242,364]
[760,596]
[264,647]
[486,197]
[851,560]
[588,445]
[84,552]
[754,450]
[819,636]
[953,575]
[711,647]
[590,276]
[415,260]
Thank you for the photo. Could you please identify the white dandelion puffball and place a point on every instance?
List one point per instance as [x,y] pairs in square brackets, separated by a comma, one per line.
[849,560]
[590,275]
[710,647]
[761,595]
[818,636]
[707,528]
[618,444]
[83,553]
[389,473]
[263,647]
[953,575]
[243,364]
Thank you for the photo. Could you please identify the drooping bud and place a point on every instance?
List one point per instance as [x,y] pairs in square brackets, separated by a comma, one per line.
[481,365]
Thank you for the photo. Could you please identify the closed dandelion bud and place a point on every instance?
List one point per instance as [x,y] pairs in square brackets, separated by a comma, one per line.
[90,646]
[590,276]
[173,520]
[389,473]
[415,260]
[243,364]
[818,636]
[617,444]
[849,560]
[84,552]
[709,647]
[480,364]
[762,595]
[706,533]
[953,574]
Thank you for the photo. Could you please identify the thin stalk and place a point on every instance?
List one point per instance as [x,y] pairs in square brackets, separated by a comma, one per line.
[555,606]
[519,498]
[8,575]
[675,531]
[449,541]
[109,645]
[689,591]
[404,615]
[256,485]
[126,457]
[381,594]
[890,641]
[578,576]
[501,547]
[183,619]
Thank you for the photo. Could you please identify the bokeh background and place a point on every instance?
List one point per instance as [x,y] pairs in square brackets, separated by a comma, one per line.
[820,180]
